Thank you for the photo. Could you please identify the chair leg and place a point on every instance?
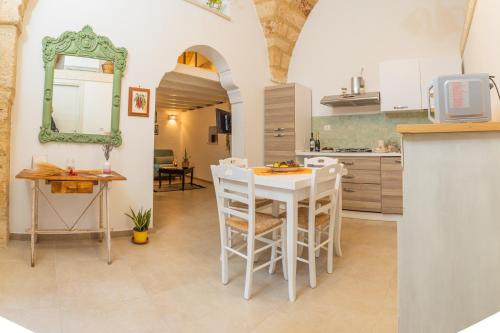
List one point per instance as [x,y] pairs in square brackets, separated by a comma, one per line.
[311,241]
[272,266]
[300,248]
[224,257]
[329,267]
[283,251]
[249,270]
[229,237]
[318,241]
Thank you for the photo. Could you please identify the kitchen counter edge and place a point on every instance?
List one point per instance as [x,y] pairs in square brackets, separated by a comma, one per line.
[374,154]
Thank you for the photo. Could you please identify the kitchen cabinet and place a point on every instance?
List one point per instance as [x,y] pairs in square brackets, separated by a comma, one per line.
[373,184]
[392,185]
[404,84]
[400,87]
[361,187]
[287,121]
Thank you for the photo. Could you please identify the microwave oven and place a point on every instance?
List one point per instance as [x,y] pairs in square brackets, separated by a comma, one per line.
[460,98]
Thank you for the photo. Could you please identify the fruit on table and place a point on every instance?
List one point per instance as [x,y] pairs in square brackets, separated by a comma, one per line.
[287,164]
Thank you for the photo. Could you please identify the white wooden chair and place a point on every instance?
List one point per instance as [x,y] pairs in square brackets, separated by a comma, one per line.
[250,224]
[318,220]
[260,203]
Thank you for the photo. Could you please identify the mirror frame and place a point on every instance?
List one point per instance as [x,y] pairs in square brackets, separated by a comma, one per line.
[84,43]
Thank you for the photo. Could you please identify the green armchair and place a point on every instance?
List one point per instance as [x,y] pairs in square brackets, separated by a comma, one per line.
[162,157]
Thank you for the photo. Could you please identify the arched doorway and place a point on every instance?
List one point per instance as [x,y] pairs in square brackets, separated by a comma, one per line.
[188,101]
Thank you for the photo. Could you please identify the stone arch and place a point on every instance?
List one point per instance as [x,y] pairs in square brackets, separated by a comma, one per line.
[282,22]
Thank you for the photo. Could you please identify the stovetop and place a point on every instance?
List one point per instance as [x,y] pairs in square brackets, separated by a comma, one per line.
[352,150]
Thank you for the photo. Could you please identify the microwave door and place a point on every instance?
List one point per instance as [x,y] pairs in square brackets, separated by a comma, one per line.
[462,97]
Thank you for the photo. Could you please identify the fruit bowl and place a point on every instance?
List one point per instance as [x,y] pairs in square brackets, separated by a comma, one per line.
[289,166]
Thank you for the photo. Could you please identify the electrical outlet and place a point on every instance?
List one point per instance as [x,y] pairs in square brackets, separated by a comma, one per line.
[327,128]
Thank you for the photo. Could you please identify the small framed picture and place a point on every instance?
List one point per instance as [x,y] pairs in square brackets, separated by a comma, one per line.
[213,136]
[138,102]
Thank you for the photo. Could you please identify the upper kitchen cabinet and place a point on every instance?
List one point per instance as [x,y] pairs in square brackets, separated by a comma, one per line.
[400,85]
[404,84]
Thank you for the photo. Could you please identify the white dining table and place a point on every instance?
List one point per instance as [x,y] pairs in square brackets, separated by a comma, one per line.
[290,189]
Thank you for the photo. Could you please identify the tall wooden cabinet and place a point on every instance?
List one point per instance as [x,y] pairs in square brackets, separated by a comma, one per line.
[287,121]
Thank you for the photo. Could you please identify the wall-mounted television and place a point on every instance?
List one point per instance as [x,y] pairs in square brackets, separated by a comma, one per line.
[223,121]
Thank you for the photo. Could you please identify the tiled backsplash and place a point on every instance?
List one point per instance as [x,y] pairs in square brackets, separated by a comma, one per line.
[364,130]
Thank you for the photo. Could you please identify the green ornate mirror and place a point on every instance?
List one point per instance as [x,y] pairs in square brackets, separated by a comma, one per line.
[82,92]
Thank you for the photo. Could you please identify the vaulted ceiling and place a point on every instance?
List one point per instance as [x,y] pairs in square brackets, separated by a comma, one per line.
[282,21]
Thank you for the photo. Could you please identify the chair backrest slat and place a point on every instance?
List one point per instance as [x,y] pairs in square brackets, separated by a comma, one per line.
[236,184]
[329,175]
[235,161]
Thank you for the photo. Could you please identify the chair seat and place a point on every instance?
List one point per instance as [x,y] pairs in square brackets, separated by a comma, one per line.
[322,201]
[259,203]
[263,222]
[321,218]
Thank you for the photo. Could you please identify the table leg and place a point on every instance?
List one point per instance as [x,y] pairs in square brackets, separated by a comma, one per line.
[192,173]
[34,216]
[169,179]
[183,180]
[108,233]
[36,210]
[159,178]
[291,234]
[338,224]
[101,212]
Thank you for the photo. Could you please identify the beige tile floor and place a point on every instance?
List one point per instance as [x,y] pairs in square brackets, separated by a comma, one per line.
[173,285]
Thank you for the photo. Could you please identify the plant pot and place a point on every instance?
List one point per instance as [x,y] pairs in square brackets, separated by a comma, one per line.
[140,237]
[108,67]
[185,164]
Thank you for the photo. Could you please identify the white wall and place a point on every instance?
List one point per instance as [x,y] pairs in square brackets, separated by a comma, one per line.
[482,53]
[169,136]
[340,37]
[154,39]
[195,138]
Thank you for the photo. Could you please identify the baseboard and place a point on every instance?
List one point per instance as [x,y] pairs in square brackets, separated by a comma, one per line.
[372,216]
[94,235]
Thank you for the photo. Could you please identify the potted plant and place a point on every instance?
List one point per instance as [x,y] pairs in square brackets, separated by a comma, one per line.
[141,221]
[217,4]
[107,148]
[185,160]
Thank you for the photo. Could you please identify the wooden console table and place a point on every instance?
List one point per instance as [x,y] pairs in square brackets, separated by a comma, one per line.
[65,184]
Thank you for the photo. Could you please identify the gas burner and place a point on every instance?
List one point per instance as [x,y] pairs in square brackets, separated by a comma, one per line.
[353,150]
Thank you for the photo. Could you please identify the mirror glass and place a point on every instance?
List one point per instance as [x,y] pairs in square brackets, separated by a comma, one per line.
[82,95]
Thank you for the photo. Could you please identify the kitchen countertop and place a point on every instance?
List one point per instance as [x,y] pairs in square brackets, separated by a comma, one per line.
[374,154]
[489,126]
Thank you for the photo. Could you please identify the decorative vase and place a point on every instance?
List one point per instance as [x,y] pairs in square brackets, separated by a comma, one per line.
[108,67]
[185,164]
[107,167]
[140,237]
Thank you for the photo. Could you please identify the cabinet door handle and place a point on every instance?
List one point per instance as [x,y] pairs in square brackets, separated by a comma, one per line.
[400,107]
[348,177]
[349,190]
[397,161]
[279,129]
[279,135]
[348,163]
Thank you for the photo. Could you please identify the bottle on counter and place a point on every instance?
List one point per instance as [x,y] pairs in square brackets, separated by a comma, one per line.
[317,146]
[312,143]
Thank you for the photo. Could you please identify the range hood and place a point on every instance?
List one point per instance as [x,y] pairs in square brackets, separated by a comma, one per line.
[371,98]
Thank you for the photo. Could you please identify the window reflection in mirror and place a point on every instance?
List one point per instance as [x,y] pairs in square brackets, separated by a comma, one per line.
[82,95]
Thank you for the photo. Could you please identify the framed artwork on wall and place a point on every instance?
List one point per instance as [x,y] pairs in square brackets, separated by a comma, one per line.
[213,135]
[138,102]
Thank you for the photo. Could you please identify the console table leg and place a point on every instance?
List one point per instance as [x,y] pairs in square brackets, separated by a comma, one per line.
[34,217]
[101,212]
[108,233]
